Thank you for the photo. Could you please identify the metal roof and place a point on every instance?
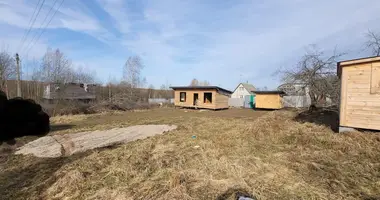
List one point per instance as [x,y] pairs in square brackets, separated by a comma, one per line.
[200,88]
[249,87]
[269,92]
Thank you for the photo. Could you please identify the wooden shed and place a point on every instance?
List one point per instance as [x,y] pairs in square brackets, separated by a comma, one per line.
[269,99]
[210,97]
[360,93]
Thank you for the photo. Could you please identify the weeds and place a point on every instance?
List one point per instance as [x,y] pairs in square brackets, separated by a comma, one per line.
[272,157]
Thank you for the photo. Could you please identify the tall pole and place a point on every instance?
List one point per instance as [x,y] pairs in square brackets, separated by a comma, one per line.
[18,75]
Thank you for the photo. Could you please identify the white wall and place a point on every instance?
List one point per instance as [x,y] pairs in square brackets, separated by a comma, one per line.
[240,92]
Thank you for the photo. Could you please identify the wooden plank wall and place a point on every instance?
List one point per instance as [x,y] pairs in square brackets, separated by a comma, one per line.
[268,101]
[360,96]
[219,101]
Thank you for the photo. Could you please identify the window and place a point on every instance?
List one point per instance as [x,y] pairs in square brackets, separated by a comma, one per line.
[241,88]
[182,96]
[207,97]
[241,96]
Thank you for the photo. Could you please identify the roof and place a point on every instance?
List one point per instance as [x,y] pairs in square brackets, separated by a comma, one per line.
[200,88]
[71,83]
[355,61]
[247,86]
[270,92]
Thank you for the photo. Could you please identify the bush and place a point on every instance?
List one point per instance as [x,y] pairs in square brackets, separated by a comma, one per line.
[21,117]
[119,106]
[77,107]
[3,100]
[67,108]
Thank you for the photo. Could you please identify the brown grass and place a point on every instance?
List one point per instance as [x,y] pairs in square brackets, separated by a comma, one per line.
[272,157]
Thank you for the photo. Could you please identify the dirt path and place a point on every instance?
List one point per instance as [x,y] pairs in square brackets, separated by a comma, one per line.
[68,144]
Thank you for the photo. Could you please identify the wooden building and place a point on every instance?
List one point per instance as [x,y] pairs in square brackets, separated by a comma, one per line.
[269,99]
[360,94]
[69,91]
[210,97]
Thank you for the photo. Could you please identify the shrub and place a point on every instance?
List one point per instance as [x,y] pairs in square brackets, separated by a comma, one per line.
[21,117]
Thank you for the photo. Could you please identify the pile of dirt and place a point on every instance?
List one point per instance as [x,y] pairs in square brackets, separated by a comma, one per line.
[65,145]
[21,117]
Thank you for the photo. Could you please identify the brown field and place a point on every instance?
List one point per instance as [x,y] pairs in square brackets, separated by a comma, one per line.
[268,154]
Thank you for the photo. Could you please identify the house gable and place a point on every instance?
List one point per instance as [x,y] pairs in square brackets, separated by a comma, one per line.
[240,91]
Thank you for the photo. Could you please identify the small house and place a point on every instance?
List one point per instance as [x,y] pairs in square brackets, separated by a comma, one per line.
[360,93]
[243,96]
[69,91]
[210,97]
[269,99]
[242,90]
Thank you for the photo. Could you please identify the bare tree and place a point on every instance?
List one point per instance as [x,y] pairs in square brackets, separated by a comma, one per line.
[55,67]
[204,83]
[83,76]
[165,91]
[316,72]
[151,91]
[132,71]
[373,42]
[195,82]
[7,69]
[132,75]
[265,88]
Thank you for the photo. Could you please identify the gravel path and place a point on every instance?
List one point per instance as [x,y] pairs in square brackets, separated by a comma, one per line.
[65,145]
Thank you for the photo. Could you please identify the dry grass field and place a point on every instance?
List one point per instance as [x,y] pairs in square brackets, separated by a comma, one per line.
[268,154]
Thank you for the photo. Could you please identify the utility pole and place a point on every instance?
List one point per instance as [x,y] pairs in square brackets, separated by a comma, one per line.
[18,75]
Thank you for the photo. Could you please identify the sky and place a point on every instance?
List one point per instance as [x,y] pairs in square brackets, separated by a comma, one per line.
[223,42]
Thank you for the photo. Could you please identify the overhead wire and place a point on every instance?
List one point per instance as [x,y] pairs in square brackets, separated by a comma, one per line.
[44,28]
[33,20]
[30,21]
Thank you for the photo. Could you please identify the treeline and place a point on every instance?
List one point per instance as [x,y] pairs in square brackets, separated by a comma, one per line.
[55,67]
[34,90]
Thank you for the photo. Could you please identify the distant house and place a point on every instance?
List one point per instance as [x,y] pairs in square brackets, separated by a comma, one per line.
[69,91]
[243,96]
[242,90]
[210,97]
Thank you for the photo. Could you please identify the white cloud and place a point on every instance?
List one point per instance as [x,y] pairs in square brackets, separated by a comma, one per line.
[76,17]
[219,41]
[72,15]
[117,10]
[247,36]
[76,20]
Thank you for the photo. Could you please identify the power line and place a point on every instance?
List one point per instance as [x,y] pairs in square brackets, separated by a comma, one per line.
[31,26]
[43,22]
[30,21]
[44,29]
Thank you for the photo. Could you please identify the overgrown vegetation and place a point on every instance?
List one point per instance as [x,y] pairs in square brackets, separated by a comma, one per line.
[316,71]
[77,107]
[274,156]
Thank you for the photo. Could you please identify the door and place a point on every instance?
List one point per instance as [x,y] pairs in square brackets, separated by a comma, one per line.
[195,99]
[253,101]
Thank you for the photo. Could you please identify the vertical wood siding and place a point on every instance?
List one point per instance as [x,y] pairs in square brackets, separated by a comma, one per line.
[360,96]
